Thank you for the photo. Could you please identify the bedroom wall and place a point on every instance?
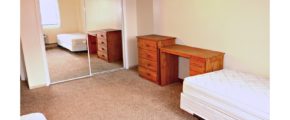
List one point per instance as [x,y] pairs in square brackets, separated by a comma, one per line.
[145,17]
[103,14]
[33,44]
[130,33]
[23,74]
[71,18]
[240,28]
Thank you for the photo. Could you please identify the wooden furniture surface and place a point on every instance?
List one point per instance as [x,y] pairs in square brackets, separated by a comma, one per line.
[92,41]
[109,44]
[187,51]
[148,49]
[201,61]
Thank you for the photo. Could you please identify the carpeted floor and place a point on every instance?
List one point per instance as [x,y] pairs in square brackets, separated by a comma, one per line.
[64,64]
[99,65]
[121,95]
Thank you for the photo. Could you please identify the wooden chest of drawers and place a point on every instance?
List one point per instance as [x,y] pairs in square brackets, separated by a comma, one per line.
[109,45]
[148,49]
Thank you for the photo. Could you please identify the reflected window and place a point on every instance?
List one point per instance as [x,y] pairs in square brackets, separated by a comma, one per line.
[49,11]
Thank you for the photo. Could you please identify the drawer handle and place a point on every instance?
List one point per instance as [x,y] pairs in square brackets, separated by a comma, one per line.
[102,42]
[103,48]
[103,55]
[147,45]
[148,74]
[102,35]
[148,56]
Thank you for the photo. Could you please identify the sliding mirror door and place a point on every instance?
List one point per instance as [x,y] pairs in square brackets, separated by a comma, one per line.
[65,39]
[104,31]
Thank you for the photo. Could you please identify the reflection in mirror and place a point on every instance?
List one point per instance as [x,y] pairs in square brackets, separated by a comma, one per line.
[103,25]
[65,39]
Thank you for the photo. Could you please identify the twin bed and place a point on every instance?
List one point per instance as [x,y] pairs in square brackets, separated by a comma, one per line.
[226,95]
[73,41]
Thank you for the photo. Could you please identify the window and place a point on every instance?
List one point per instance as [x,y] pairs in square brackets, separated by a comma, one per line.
[49,13]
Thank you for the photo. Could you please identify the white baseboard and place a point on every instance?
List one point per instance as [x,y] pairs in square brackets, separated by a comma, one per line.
[37,86]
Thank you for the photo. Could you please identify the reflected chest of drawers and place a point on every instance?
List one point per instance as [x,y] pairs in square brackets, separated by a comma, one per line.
[92,40]
[109,45]
[148,54]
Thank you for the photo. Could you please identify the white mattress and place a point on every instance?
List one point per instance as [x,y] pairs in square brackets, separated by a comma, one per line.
[73,41]
[237,94]
[33,116]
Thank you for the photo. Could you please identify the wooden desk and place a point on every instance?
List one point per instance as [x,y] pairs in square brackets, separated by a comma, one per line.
[201,61]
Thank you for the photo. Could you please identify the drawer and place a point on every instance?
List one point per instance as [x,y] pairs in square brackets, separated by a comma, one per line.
[192,73]
[147,44]
[102,48]
[197,61]
[101,35]
[197,68]
[102,41]
[102,55]
[148,74]
[148,64]
[216,63]
[197,64]
[147,54]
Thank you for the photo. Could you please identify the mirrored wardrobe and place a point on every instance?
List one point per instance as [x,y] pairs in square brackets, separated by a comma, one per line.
[82,37]
[103,25]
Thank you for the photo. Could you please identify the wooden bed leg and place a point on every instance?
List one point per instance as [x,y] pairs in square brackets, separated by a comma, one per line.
[199,118]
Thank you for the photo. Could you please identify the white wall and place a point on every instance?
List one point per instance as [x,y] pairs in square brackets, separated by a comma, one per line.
[23,74]
[145,17]
[33,44]
[240,28]
[130,33]
[156,16]
[103,14]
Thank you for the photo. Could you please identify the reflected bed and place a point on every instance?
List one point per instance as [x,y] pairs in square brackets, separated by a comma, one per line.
[72,41]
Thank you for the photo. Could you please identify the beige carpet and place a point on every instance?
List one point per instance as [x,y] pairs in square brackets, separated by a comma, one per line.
[99,65]
[120,95]
[64,64]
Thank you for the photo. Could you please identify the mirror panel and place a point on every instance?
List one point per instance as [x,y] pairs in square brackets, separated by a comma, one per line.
[103,26]
[78,39]
[65,39]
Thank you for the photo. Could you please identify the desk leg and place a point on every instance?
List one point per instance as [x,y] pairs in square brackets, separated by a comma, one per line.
[168,68]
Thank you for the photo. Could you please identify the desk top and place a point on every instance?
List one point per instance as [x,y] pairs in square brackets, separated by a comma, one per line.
[155,37]
[94,32]
[187,51]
